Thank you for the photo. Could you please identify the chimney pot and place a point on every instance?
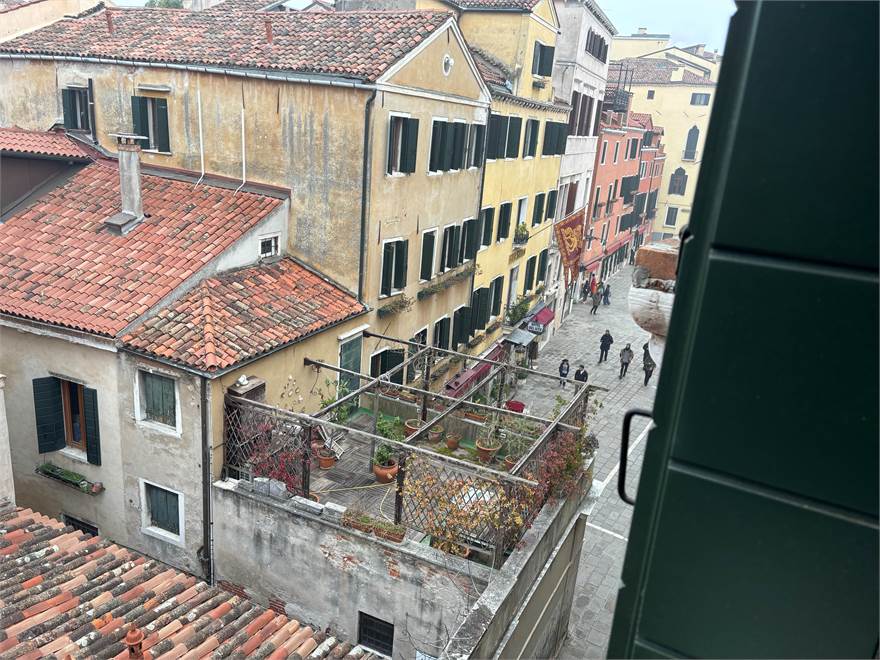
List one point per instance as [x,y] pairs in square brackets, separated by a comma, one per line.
[134,640]
[269,31]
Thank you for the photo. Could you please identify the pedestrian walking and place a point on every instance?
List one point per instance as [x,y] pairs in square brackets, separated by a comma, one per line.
[585,292]
[606,295]
[563,372]
[581,374]
[648,363]
[597,300]
[604,345]
[593,285]
[626,356]
[600,288]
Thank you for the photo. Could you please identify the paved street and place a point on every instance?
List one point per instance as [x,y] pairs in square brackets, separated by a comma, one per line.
[608,526]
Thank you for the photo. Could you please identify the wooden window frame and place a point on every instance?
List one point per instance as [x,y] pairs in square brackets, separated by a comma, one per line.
[69,439]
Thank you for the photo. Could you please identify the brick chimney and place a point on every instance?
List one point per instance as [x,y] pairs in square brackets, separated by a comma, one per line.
[132,209]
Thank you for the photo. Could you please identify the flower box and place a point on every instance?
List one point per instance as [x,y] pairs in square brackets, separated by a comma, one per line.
[70,478]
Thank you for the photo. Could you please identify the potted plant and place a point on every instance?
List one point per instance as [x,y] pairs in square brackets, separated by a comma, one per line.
[384,464]
[389,531]
[389,427]
[488,442]
[326,458]
[452,440]
[475,415]
[357,519]
[435,433]
[412,425]
[521,235]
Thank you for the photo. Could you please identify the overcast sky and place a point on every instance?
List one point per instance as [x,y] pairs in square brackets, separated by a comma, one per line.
[688,21]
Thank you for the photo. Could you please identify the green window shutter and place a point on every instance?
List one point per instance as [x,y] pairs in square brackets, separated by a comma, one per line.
[467,328]
[551,203]
[497,290]
[387,268]
[473,239]
[409,148]
[561,138]
[494,127]
[427,268]
[454,247]
[163,509]
[390,359]
[400,264]
[479,144]
[436,145]
[546,65]
[504,221]
[69,106]
[49,413]
[93,432]
[529,281]
[389,156]
[139,119]
[481,308]
[536,59]
[459,133]
[163,143]
[457,329]
[444,259]
[538,209]
[448,148]
[513,137]
[549,139]
[501,137]
[488,225]
[542,266]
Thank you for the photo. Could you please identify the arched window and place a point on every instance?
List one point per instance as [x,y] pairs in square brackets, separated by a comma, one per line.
[678,182]
[690,147]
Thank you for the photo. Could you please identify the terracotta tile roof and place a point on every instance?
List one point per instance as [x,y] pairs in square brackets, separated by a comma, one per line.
[524,5]
[640,119]
[493,71]
[63,592]
[41,143]
[242,314]
[651,70]
[59,264]
[354,44]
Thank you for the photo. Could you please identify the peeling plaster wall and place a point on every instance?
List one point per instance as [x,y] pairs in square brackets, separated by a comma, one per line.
[324,574]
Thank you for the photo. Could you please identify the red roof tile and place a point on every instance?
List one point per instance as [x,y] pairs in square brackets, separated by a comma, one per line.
[524,5]
[41,143]
[493,71]
[85,593]
[60,264]
[651,70]
[354,44]
[242,314]
[640,119]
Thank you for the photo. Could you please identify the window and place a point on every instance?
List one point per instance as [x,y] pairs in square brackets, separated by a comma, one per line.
[158,398]
[604,152]
[571,198]
[350,359]
[542,266]
[671,216]
[633,148]
[511,290]
[538,209]
[462,325]
[441,333]
[67,416]
[487,217]
[476,139]
[80,525]
[643,169]
[650,94]
[513,133]
[690,147]
[386,360]
[609,203]
[699,99]
[575,113]
[596,202]
[596,46]
[481,308]
[616,151]
[394,262]
[403,138]
[268,246]
[529,281]
[497,291]
[150,119]
[522,205]
[459,144]
[162,511]
[375,634]
[604,238]
[504,212]
[555,136]
[470,231]
[496,146]
[449,251]
[75,104]
[449,142]
[429,238]
[551,203]
[678,182]
[530,143]
[542,60]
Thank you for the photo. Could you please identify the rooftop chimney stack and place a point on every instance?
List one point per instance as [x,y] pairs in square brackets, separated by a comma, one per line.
[109,18]
[268,30]
[132,212]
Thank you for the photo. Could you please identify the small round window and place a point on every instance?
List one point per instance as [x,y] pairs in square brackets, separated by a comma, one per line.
[447,64]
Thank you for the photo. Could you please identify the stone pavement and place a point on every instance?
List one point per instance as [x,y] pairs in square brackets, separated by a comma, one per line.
[608,525]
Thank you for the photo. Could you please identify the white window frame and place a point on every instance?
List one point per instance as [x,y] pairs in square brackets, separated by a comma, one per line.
[434,325]
[525,211]
[431,148]
[643,169]
[394,292]
[666,218]
[432,230]
[275,235]
[157,532]
[139,412]
[391,116]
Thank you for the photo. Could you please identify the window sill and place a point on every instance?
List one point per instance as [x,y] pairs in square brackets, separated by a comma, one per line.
[156,151]
[164,535]
[391,295]
[74,454]
[397,175]
[157,427]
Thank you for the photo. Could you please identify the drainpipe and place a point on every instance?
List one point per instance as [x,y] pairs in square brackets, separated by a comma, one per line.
[206,554]
[201,142]
[365,184]
[243,154]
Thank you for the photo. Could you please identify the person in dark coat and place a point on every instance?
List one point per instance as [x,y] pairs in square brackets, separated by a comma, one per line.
[585,291]
[626,356]
[606,295]
[581,374]
[648,363]
[563,372]
[604,345]
[597,299]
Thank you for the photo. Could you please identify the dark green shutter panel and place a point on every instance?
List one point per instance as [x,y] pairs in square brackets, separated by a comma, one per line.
[49,414]
[481,308]
[473,239]
[93,433]
[528,283]
[387,268]
[480,142]
[458,139]
[551,203]
[538,210]
[448,149]
[466,324]
[488,225]
[536,59]
[501,137]
[492,141]
[400,264]
[513,135]
[444,259]
[457,329]
[69,106]
[139,119]
[436,145]
[561,138]
[549,140]
[409,148]
[454,247]
[427,256]
[504,221]
[497,289]
[542,266]
[390,359]
[547,60]
[163,143]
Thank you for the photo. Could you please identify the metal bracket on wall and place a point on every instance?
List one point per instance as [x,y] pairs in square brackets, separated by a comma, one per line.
[624,451]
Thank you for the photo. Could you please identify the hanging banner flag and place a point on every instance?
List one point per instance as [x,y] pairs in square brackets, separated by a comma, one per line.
[570,238]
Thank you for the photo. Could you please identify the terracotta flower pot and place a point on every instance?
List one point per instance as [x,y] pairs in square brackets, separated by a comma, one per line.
[486,454]
[326,460]
[412,425]
[385,473]
[452,440]
[358,525]
[435,433]
[509,462]
[476,417]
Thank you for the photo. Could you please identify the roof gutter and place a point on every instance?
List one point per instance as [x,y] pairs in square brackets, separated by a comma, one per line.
[223,71]
[365,198]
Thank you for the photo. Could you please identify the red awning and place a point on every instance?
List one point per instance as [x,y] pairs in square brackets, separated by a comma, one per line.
[545,316]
